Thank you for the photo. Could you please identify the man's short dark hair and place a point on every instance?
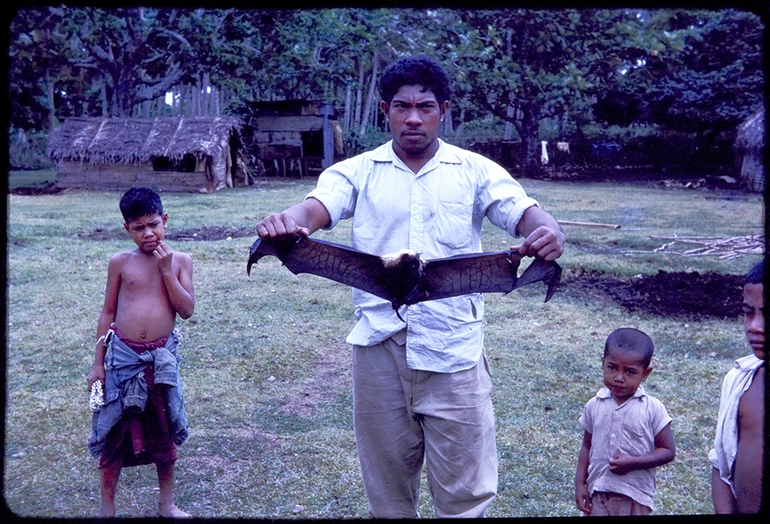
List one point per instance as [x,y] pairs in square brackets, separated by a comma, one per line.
[139,202]
[415,70]
[756,274]
[630,340]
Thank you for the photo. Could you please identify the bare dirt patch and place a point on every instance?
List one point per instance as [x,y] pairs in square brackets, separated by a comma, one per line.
[207,233]
[331,375]
[666,293]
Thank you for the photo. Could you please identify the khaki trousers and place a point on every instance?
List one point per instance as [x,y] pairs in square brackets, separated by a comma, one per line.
[402,417]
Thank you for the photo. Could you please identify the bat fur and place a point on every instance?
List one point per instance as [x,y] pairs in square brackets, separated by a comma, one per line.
[403,278]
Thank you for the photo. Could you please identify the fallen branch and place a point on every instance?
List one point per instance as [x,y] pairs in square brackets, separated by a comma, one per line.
[725,248]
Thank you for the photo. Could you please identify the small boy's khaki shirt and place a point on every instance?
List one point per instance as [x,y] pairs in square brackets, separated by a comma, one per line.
[630,429]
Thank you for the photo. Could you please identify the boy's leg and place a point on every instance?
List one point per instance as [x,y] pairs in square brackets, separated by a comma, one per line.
[166,506]
[460,450]
[388,438]
[109,476]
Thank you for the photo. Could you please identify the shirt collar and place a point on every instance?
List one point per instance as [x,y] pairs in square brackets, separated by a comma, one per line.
[748,363]
[445,154]
[605,392]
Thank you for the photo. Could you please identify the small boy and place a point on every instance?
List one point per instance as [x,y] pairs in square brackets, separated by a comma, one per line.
[627,433]
[738,455]
[143,417]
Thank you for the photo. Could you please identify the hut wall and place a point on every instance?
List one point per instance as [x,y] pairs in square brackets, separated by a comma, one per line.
[124,176]
[752,171]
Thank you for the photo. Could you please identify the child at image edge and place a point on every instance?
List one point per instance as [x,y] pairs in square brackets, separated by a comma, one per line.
[738,455]
[627,433]
[143,418]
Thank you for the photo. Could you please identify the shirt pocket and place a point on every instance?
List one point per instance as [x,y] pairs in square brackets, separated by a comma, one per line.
[454,217]
[635,441]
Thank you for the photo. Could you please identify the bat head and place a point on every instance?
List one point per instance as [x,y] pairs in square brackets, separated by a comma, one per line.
[404,259]
[404,272]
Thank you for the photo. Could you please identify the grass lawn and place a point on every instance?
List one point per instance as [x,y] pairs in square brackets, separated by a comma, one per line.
[267,372]
[36,178]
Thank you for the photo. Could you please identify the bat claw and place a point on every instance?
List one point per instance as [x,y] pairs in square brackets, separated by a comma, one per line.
[272,246]
[541,271]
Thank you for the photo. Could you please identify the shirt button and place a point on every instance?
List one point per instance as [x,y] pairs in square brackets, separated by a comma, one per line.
[613,435]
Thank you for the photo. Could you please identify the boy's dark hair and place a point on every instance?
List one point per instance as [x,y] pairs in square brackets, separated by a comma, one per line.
[633,341]
[415,70]
[756,274]
[139,202]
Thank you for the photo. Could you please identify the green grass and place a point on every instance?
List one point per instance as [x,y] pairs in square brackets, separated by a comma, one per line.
[267,372]
[32,178]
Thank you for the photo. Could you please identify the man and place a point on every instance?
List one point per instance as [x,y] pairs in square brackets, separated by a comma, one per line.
[421,388]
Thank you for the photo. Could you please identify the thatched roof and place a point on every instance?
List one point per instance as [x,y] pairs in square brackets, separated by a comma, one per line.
[132,140]
[751,133]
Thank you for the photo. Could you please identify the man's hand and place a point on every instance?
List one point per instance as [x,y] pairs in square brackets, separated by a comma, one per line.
[544,242]
[305,218]
[280,224]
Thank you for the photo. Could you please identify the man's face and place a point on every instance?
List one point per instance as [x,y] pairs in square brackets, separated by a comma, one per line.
[414,116]
[754,317]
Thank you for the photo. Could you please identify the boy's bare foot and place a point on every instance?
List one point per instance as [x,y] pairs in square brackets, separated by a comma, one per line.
[173,512]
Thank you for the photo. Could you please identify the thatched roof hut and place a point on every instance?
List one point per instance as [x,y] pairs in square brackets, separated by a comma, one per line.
[750,144]
[170,154]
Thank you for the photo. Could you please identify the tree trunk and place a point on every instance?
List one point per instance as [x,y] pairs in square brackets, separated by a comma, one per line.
[51,106]
[459,128]
[370,96]
[105,105]
[359,96]
[510,112]
[528,133]
[205,95]
[348,108]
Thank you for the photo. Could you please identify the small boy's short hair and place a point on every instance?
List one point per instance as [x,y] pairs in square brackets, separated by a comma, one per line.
[756,274]
[139,202]
[631,340]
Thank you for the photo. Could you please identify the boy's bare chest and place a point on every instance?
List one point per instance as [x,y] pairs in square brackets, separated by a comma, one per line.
[142,276]
[751,408]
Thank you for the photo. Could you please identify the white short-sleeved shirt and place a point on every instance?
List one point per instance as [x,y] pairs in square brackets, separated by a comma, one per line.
[438,213]
[736,382]
[630,429]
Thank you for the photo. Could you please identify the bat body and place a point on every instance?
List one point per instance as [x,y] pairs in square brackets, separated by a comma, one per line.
[404,278]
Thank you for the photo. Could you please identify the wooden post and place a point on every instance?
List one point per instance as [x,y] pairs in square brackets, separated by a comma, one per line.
[327,110]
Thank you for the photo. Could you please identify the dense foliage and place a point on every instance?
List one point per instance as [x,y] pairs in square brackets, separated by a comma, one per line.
[542,74]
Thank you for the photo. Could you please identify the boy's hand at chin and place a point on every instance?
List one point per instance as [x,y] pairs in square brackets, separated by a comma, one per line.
[164,256]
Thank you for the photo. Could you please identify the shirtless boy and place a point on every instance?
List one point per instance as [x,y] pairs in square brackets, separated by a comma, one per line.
[737,458]
[146,289]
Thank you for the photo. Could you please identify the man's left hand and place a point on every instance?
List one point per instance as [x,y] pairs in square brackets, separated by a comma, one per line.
[544,242]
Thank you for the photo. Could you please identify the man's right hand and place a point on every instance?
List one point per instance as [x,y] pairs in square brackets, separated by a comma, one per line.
[304,219]
[280,224]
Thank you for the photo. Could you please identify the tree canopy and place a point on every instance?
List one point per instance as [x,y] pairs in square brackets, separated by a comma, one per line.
[693,70]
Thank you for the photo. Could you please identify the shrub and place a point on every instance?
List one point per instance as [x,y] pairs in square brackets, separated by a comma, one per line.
[28,151]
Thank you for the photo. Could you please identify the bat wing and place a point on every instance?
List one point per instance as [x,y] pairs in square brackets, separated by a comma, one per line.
[485,273]
[325,259]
